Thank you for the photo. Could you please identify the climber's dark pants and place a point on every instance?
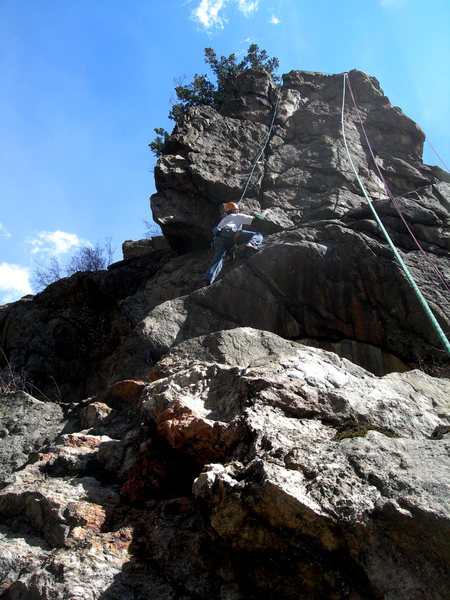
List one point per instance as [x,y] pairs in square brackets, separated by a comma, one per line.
[222,245]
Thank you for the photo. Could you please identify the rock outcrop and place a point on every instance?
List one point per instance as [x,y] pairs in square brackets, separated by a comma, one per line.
[177,442]
[251,467]
[325,271]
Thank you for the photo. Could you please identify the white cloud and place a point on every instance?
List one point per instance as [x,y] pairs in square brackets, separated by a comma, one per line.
[274,20]
[207,13]
[14,282]
[210,12]
[248,7]
[4,232]
[55,242]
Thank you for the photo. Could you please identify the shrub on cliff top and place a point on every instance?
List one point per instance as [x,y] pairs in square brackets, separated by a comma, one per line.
[201,91]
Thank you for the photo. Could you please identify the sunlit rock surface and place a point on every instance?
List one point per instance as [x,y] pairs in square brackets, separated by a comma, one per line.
[283,433]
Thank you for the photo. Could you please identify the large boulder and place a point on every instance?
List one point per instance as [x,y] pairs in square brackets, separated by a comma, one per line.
[251,466]
[342,476]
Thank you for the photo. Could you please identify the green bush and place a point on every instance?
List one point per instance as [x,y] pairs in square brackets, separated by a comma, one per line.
[201,91]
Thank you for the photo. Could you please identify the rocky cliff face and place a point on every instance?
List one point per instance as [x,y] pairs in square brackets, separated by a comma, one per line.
[177,442]
[325,271]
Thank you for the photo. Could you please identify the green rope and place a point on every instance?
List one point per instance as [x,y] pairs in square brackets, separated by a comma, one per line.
[266,141]
[422,300]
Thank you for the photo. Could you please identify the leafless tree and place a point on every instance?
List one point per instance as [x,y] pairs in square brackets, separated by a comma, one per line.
[152,229]
[87,258]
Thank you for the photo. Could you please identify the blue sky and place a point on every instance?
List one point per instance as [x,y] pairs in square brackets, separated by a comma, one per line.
[84,83]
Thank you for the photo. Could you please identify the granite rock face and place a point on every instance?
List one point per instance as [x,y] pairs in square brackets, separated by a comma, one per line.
[251,467]
[305,174]
[67,339]
[326,283]
[177,442]
[27,424]
[325,270]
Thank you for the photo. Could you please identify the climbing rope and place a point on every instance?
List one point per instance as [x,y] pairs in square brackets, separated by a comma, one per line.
[410,278]
[266,141]
[432,147]
[390,194]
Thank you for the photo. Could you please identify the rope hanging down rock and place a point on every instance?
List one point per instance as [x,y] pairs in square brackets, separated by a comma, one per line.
[432,147]
[410,278]
[266,141]
[391,195]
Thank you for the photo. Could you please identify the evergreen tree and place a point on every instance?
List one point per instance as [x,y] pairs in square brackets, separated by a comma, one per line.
[201,91]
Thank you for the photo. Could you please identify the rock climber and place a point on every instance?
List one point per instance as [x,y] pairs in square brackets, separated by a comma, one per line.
[228,233]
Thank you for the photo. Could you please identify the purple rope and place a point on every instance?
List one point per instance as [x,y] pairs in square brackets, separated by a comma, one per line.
[432,147]
[397,208]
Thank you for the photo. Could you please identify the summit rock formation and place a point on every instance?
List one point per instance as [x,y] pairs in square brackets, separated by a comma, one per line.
[270,435]
[325,271]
